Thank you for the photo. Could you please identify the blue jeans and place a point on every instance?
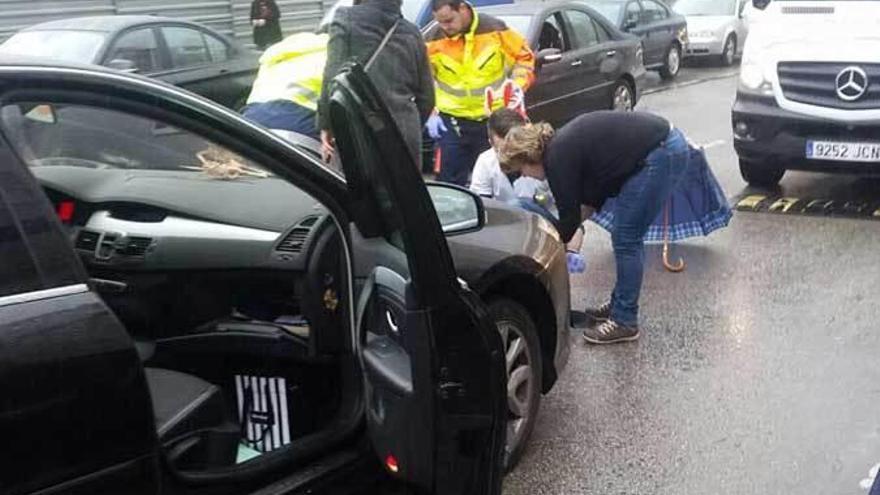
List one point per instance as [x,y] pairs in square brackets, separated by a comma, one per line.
[285,115]
[641,199]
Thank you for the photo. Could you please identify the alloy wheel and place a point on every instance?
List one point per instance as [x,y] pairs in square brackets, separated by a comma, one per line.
[623,98]
[520,383]
[673,62]
[729,51]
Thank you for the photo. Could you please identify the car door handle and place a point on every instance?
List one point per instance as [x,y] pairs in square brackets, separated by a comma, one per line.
[577,63]
[610,53]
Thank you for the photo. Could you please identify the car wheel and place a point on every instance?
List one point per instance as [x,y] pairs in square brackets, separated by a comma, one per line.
[728,55]
[524,373]
[622,97]
[760,174]
[672,65]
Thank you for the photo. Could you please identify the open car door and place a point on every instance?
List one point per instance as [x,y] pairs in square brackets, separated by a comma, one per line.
[434,379]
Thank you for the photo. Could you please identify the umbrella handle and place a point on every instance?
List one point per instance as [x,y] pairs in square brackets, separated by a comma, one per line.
[680,266]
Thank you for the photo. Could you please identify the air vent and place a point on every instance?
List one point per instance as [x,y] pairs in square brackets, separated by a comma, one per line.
[308,222]
[295,240]
[87,240]
[807,10]
[136,246]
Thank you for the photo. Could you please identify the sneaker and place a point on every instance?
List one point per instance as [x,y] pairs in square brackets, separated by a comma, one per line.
[610,332]
[600,314]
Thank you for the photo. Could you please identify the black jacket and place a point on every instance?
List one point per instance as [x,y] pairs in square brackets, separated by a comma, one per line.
[401,72]
[270,33]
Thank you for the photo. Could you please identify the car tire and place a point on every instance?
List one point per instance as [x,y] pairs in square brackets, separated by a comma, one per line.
[623,97]
[522,349]
[728,53]
[671,62]
[760,174]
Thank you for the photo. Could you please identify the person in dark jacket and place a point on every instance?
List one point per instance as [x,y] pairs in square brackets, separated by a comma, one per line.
[638,158]
[266,20]
[400,72]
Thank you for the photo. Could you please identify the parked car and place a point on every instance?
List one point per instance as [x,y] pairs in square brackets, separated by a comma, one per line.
[803,103]
[186,54]
[716,28]
[191,304]
[584,62]
[664,33]
[416,11]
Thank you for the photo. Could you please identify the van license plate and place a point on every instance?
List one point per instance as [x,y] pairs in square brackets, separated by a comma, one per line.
[843,152]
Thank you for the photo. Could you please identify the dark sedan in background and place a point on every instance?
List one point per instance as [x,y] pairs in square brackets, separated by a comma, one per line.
[584,62]
[185,54]
[663,31]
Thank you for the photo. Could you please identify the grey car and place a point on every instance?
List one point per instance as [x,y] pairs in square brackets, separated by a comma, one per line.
[186,54]
[584,62]
[191,239]
[664,32]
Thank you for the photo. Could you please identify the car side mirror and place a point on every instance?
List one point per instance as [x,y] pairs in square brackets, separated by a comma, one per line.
[458,209]
[123,65]
[760,4]
[549,56]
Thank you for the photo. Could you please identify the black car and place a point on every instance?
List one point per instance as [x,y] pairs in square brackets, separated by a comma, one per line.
[584,63]
[662,30]
[182,53]
[222,313]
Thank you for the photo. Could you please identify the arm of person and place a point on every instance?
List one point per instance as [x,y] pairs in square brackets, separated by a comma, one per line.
[425,94]
[520,56]
[481,178]
[577,240]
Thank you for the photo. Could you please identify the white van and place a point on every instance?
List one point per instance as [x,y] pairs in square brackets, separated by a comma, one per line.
[809,90]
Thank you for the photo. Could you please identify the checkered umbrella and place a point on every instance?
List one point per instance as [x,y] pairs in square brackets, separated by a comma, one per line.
[697,207]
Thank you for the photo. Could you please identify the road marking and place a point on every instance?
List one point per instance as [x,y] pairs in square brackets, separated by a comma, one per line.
[713,144]
[750,202]
[783,204]
[702,80]
[759,203]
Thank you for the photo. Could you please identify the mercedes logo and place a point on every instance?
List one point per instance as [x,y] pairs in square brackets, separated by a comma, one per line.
[852,83]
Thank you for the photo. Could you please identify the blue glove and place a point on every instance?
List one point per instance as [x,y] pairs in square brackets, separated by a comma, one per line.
[435,126]
[576,262]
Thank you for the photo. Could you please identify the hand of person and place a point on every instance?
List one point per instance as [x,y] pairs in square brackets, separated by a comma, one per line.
[436,127]
[576,262]
[327,146]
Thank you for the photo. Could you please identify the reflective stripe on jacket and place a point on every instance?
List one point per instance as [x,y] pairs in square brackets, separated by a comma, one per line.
[466,64]
[293,70]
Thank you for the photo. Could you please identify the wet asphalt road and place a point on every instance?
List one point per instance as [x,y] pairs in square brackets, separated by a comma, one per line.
[757,371]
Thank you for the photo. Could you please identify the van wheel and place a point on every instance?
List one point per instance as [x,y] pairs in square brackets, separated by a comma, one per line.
[524,374]
[622,97]
[672,62]
[760,174]
[728,55]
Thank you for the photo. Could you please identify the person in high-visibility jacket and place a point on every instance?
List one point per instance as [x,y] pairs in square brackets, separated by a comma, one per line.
[286,92]
[470,54]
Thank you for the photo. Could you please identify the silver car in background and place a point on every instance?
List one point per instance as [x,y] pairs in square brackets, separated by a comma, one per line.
[716,28]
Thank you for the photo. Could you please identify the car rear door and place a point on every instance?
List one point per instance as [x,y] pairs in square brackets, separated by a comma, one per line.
[600,63]
[75,412]
[434,383]
[660,28]
[188,60]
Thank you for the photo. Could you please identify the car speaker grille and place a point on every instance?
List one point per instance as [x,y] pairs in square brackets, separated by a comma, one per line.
[87,240]
[815,83]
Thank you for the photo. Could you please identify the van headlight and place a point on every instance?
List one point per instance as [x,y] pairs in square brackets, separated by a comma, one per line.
[751,75]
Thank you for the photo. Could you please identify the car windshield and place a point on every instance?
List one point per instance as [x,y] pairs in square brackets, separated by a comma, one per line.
[610,10]
[69,46]
[519,23]
[706,7]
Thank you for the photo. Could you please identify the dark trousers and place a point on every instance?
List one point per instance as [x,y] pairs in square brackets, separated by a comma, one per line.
[285,115]
[460,146]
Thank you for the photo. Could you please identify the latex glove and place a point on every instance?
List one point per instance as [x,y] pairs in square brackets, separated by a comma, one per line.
[510,95]
[436,127]
[576,262]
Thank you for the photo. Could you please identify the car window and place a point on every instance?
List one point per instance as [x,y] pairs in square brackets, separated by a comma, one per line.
[633,14]
[551,34]
[217,48]
[69,46]
[18,272]
[609,10]
[601,31]
[186,46]
[140,47]
[583,30]
[654,12]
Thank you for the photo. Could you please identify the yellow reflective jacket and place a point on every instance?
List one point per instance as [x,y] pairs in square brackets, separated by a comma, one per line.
[292,69]
[466,64]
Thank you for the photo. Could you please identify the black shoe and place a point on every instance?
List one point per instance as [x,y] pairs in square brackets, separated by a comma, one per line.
[600,314]
[610,332]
